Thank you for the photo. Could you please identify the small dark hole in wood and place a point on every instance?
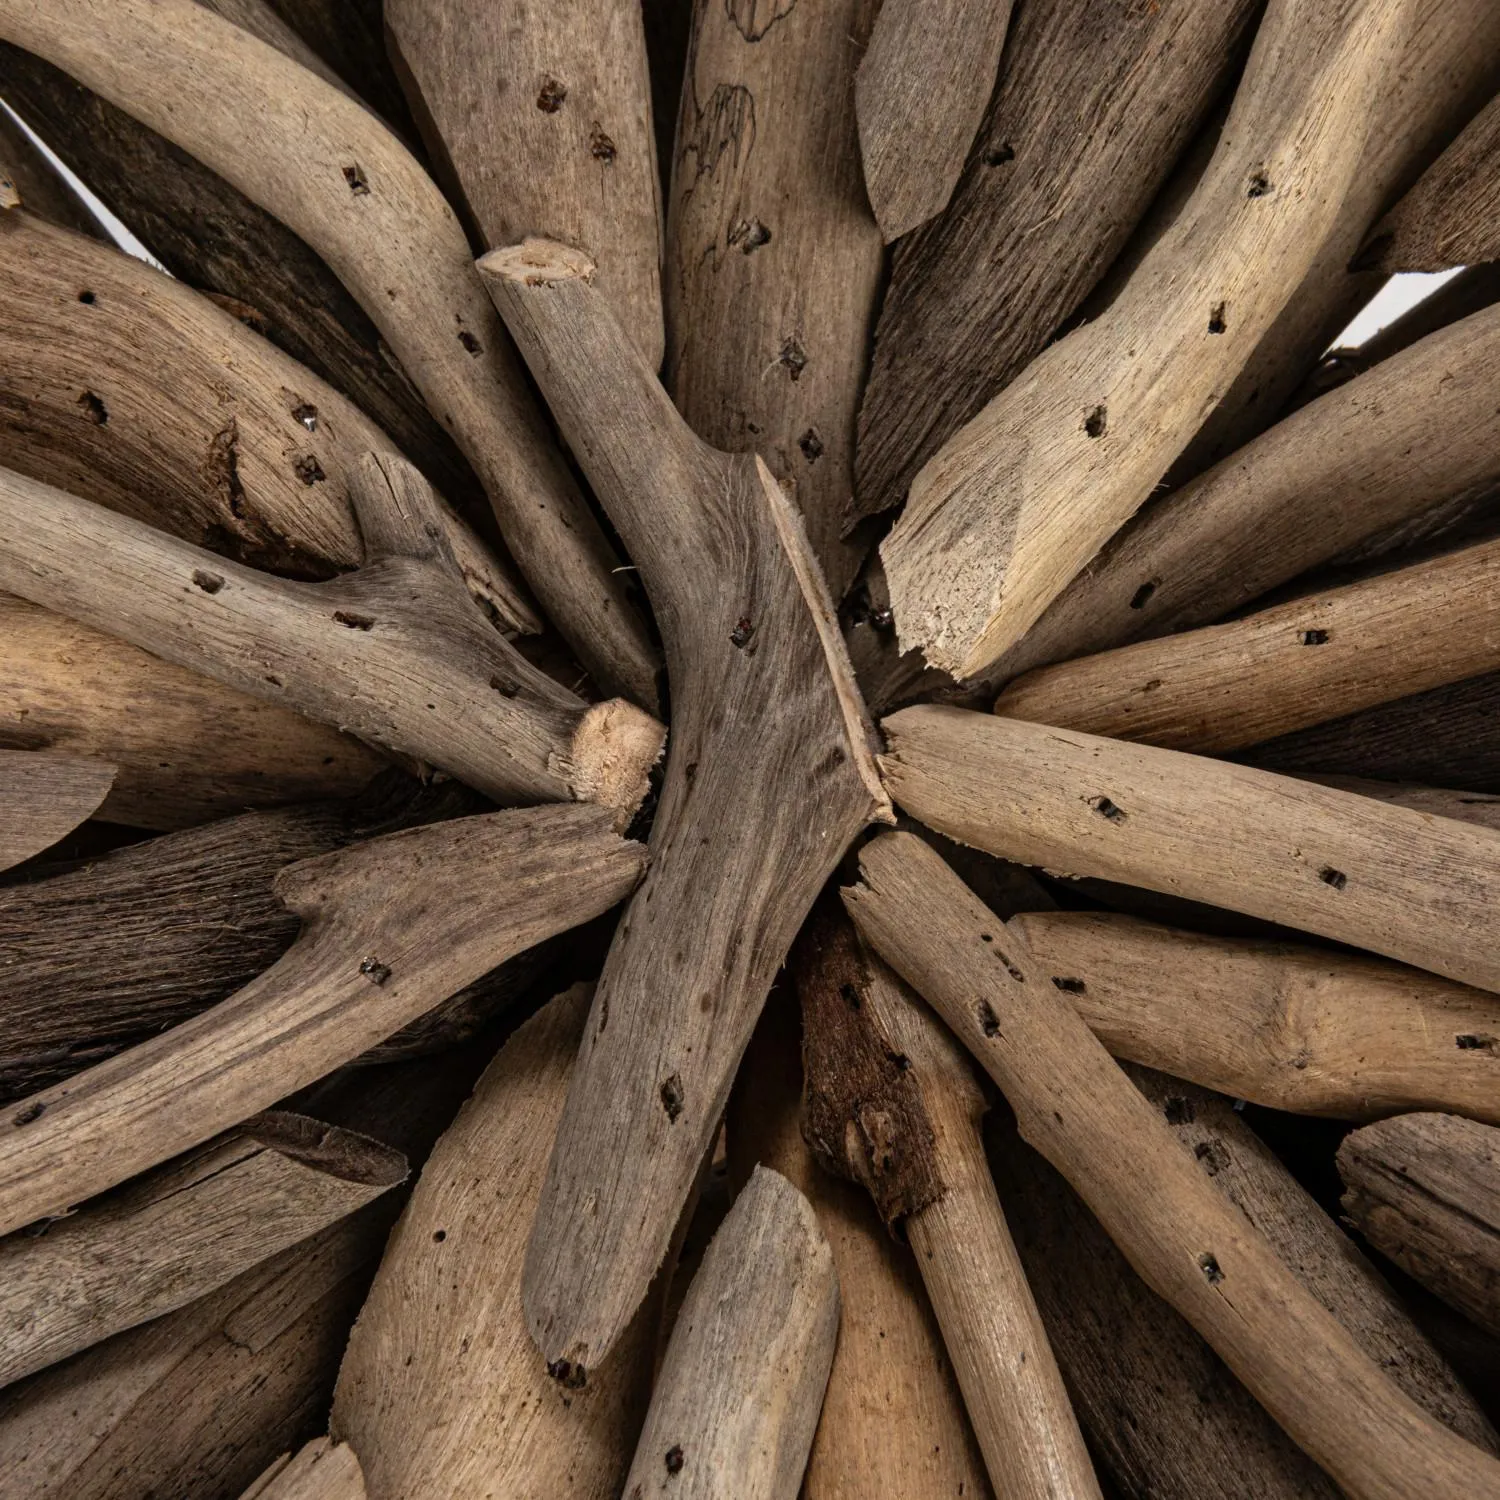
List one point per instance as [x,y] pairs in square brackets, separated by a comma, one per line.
[1336,878]
[1314,637]
[505,689]
[1070,986]
[375,971]
[29,1113]
[470,343]
[549,98]
[566,1373]
[307,414]
[1260,185]
[438,1236]
[355,177]
[811,445]
[672,1096]
[308,470]
[749,235]
[601,148]
[1096,423]
[989,1022]
[986,937]
[1139,599]
[87,298]
[354,621]
[742,634]
[210,583]
[674,1459]
[793,358]
[850,996]
[1473,1042]
[94,409]
[1179,1111]
[1216,323]
[997,156]
[1209,1265]
[1107,809]
[901,1060]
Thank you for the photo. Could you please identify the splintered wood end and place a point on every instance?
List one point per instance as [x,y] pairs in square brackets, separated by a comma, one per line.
[538,262]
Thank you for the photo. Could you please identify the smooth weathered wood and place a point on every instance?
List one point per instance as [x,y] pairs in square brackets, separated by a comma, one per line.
[261,19]
[320,1470]
[769,778]
[1186,1240]
[1008,510]
[1440,801]
[773,256]
[1398,882]
[395,652]
[892,1102]
[44,796]
[740,1388]
[1425,1190]
[1095,102]
[28,180]
[920,94]
[391,928]
[449,1289]
[328,168]
[544,115]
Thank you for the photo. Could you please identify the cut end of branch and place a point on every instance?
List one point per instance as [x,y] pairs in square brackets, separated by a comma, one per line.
[613,752]
[537,262]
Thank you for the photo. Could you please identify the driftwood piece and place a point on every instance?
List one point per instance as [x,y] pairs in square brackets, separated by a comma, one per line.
[1186,1240]
[892,1102]
[920,94]
[261,19]
[1005,514]
[1440,801]
[773,256]
[46,796]
[1425,1190]
[319,1470]
[1095,102]
[28,180]
[544,115]
[181,1232]
[449,1288]
[391,928]
[396,651]
[767,724]
[742,1382]
[336,176]
[1400,883]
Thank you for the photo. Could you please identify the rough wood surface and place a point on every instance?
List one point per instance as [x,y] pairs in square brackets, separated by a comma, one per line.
[544,114]
[773,256]
[1005,514]
[335,175]
[319,1470]
[396,652]
[1095,102]
[769,778]
[742,1382]
[28,180]
[1398,882]
[261,19]
[45,796]
[1441,801]
[391,928]
[1425,1190]
[1186,1240]
[449,1289]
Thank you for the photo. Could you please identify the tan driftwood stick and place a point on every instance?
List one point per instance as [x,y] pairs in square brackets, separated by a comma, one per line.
[545,118]
[261,19]
[1014,504]
[1400,883]
[769,779]
[391,928]
[1222,687]
[742,1382]
[1482,808]
[773,256]
[919,97]
[1301,1029]
[180,1232]
[1415,430]
[395,652]
[450,1287]
[1195,1249]
[129,388]
[327,168]
[892,1102]
[320,1470]
[44,796]
[1425,1190]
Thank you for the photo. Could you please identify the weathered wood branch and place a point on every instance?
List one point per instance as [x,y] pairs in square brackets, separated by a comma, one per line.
[395,652]
[1004,515]
[892,1102]
[1398,882]
[1192,1246]
[742,1381]
[773,256]
[1425,1190]
[44,797]
[319,1470]
[1440,801]
[767,724]
[327,168]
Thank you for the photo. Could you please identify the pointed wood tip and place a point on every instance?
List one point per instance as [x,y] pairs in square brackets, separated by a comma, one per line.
[47,795]
[537,262]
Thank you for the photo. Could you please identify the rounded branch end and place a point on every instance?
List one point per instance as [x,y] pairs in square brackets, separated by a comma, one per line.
[538,262]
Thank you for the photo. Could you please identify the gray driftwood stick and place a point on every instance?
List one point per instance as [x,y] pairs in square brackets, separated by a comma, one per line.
[769,779]
[45,795]
[319,1470]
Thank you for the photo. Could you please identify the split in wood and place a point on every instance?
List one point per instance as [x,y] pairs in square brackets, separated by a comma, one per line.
[44,796]
[319,1470]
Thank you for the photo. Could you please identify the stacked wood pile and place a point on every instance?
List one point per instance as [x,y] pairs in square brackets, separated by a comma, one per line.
[576,472]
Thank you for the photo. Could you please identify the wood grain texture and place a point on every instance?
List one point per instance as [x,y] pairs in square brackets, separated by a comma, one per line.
[1440,801]
[1190,1244]
[45,796]
[390,928]
[773,256]
[1424,1189]
[395,652]
[328,169]
[1004,515]
[28,180]
[1397,882]
[1094,103]
[544,113]
[769,778]
[448,1297]
[742,1381]
[319,1470]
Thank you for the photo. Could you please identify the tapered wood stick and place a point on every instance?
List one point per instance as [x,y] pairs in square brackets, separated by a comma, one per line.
[1014,504]
[320,1470]
[1395,881]
[773,256]
[1195,1249]
[327,168]
[767,724]
[1425,1190]
[46,796]
[391,928]
[395,652]
[449,1288]
[892,1102]
[742,1382]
